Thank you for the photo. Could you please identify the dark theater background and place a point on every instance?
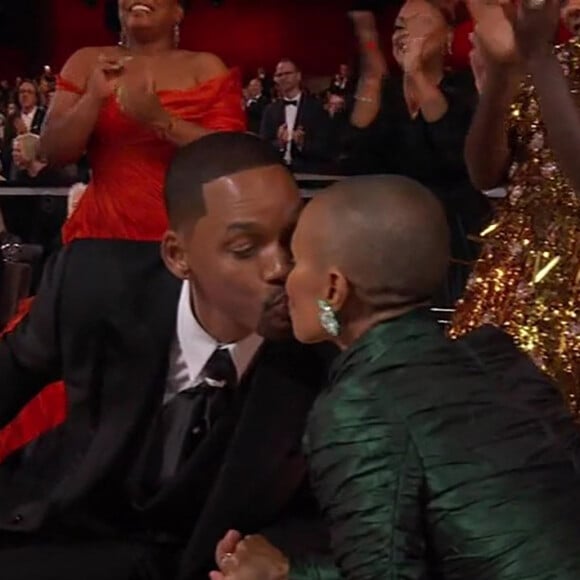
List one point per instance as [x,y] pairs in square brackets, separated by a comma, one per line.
[245,33]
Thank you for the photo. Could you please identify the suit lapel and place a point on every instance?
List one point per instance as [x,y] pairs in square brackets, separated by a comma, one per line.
[264,465]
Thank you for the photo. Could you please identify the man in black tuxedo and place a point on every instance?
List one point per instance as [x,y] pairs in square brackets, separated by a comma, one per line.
[256,103]
[186,397]
[296,125]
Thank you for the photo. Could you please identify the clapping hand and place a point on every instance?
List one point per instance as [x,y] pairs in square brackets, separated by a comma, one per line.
[494,28]
[298,137]
[105,76]
[19,126]
[137,98]
[536,26]
[282,136]
[365,29]
[413,55]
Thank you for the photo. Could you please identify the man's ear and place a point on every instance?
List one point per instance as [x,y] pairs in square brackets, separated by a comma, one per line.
[174,255]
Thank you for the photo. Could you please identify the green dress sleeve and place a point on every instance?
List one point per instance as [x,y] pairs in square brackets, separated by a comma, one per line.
[368,478]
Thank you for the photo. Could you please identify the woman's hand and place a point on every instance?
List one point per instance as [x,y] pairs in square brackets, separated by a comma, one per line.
[494,27]
[536,27]
[137,98]
[365,29]
[365,26]
[253,558]
[104,77]
[413,56]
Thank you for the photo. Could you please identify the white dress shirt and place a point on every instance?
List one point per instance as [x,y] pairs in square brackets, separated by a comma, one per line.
[28,118]
[193,347]
[291,112]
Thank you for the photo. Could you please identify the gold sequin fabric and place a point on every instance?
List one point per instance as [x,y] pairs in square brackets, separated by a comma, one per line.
[527,280]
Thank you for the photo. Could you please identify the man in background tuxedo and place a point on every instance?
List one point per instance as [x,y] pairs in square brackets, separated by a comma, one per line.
[256,103]
[296,125]
[28,119]
[187,398]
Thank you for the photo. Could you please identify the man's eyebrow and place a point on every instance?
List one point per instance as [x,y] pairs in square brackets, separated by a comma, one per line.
[243,226]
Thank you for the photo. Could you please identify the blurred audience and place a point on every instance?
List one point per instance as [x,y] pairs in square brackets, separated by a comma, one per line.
[415,123]
[296,124]
[342,82]
[255,104]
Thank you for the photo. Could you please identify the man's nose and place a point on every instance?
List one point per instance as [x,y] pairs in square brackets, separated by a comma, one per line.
[278,267]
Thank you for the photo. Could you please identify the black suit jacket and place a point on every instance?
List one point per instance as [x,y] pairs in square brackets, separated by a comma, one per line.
[104,319]
[254,112]
[315,154]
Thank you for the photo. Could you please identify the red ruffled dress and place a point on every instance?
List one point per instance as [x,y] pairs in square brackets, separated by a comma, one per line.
[124,200]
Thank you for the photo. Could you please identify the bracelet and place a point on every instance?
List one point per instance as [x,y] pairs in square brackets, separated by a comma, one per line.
[364,99]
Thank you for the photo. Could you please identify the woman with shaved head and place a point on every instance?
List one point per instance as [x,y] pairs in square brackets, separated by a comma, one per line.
[431,458]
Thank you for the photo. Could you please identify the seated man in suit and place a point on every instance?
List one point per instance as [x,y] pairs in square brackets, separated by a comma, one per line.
[187,397]
[256,103]
[296,125]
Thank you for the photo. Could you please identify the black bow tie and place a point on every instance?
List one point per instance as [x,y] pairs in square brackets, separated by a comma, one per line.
[288,102]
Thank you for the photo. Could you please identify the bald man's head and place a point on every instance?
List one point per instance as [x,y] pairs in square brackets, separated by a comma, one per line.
[388,235]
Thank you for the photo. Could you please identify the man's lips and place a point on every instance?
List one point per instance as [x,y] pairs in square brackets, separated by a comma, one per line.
[277,302]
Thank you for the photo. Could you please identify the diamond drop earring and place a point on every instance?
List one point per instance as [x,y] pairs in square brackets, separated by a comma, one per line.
[327,318]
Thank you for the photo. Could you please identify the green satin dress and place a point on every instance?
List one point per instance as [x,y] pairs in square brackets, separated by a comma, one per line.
[434,459]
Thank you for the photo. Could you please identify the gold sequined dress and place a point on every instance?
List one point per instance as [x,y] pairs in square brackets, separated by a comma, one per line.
[527,280]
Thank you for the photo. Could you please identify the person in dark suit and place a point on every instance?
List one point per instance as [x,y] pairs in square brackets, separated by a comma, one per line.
[431,458]
[256,103]
[296,125]
[186,397]
[28,119]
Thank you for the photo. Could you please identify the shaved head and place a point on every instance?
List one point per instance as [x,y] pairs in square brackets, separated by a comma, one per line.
[387,234]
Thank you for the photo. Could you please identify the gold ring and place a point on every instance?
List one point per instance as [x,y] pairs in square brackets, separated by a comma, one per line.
[227,557]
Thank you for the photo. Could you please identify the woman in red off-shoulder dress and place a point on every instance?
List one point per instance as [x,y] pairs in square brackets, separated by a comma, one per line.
[129,107]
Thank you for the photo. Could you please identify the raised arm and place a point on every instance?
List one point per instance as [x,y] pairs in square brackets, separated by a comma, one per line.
[535,30]
[372,70]
[487,149]
[86,81]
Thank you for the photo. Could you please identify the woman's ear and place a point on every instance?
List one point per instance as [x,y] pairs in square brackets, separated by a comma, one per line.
[174,256]
[337,289]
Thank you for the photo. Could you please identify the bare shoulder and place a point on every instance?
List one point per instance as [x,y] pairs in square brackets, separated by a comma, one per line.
[79,65]
[205,65]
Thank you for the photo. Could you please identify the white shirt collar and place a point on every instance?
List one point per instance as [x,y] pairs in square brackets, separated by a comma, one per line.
[197,345]
[296,98]
[31,113]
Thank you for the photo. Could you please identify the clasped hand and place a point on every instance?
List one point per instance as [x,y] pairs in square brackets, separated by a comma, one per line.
[133,86]
[249,558]
[137,97]
[283,136]
[508,35]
